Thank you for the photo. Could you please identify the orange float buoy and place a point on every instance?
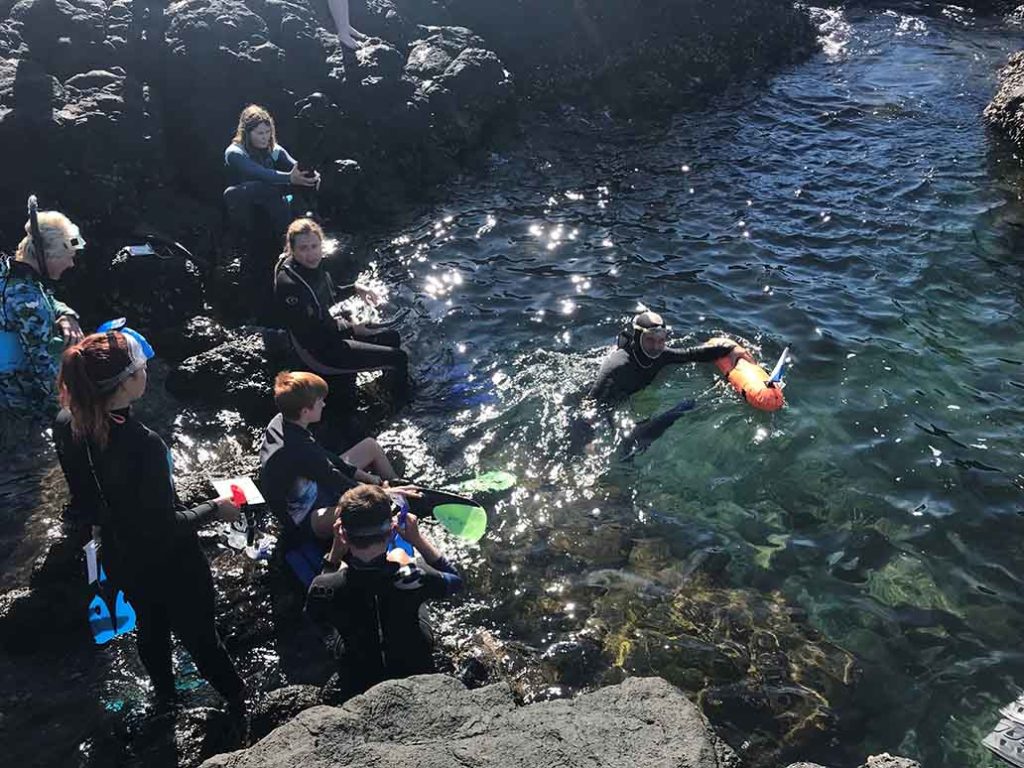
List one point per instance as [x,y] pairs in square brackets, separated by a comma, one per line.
[752,381]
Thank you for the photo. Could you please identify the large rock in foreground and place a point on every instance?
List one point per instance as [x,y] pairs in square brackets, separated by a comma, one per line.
[435,722]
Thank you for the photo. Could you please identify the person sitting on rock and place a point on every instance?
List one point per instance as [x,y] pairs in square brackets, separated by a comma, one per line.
[641,354]
[347,34]
[260,172]
[369,603]
[301,480]
[330,346]
[34,326]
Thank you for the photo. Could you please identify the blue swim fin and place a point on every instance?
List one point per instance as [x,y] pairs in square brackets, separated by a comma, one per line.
[100,622]
[780,368]
[124,615]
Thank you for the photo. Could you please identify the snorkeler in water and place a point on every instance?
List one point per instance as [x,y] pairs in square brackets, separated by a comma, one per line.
[642,352]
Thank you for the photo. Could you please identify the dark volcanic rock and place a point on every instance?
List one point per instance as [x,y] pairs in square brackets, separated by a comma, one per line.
[279,706]
[435,722]
[1005,113]
[237,374]
[154,292]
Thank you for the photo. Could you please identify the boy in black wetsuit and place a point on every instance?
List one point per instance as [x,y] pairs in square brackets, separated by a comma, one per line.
[370,603]
[641,354]
[331,347]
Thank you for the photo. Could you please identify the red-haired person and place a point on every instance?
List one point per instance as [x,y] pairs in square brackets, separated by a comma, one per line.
[119,473]
[302,480]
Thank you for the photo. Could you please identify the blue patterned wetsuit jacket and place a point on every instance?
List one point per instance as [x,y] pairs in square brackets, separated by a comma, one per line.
[30,342]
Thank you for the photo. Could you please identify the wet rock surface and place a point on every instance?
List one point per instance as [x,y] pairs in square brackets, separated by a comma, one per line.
[1005,113]
[435,721]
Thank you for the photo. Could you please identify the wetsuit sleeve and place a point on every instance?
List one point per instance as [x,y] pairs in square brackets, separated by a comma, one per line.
[28,315]
[85,503]
[703,353]
[284,161]
[441,579]
[328,471]
[323,612]
[248,169]
[195,516]
[61,309]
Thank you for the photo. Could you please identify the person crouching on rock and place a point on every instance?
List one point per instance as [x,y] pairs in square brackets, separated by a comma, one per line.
[331,347]
[34,326]
[260,174]
[370,603]
[120,476]
[302,481]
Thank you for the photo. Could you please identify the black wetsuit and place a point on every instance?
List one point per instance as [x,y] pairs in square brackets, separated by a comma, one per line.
[373,618]
[150,548]
[298,475]
[329,347]
[628,369]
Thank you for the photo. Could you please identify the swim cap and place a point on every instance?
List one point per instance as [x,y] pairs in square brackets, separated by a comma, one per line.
[119,324]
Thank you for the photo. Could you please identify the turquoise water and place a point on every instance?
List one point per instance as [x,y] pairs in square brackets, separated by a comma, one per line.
[855,208]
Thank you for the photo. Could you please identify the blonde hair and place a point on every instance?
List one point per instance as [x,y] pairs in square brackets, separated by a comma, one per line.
[252,117]
[301,227]
[295,391]
[55,229]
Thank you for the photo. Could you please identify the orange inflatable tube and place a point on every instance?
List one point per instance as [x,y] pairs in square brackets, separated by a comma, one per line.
[750,380]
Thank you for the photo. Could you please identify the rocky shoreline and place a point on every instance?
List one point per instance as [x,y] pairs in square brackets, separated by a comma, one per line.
[118,112]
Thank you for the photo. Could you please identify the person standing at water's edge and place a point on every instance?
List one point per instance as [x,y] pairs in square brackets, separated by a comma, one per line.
[642,353]
[120,476]
[34,326]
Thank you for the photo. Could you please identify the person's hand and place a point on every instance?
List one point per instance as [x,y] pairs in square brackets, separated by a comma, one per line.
[298,178]
[411,530]
[739,353]
[339,545]
[410,491]
[70,330]
[226,510]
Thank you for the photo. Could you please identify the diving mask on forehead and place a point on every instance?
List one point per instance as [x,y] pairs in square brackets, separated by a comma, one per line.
[75,239]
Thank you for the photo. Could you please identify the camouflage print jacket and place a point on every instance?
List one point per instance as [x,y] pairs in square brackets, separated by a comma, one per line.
[30,342]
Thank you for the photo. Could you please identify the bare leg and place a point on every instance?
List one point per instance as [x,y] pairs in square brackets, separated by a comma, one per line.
[369,457]
[339,10]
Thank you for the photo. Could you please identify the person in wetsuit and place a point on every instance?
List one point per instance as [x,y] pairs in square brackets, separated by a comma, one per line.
[331,347]
[34,326]
[301,480]
[641,354]
[120,476]
[260,174]
[370,603]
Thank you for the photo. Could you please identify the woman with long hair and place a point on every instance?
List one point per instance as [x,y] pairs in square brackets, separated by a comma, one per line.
[260,172]
[34,326]
[119,473]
